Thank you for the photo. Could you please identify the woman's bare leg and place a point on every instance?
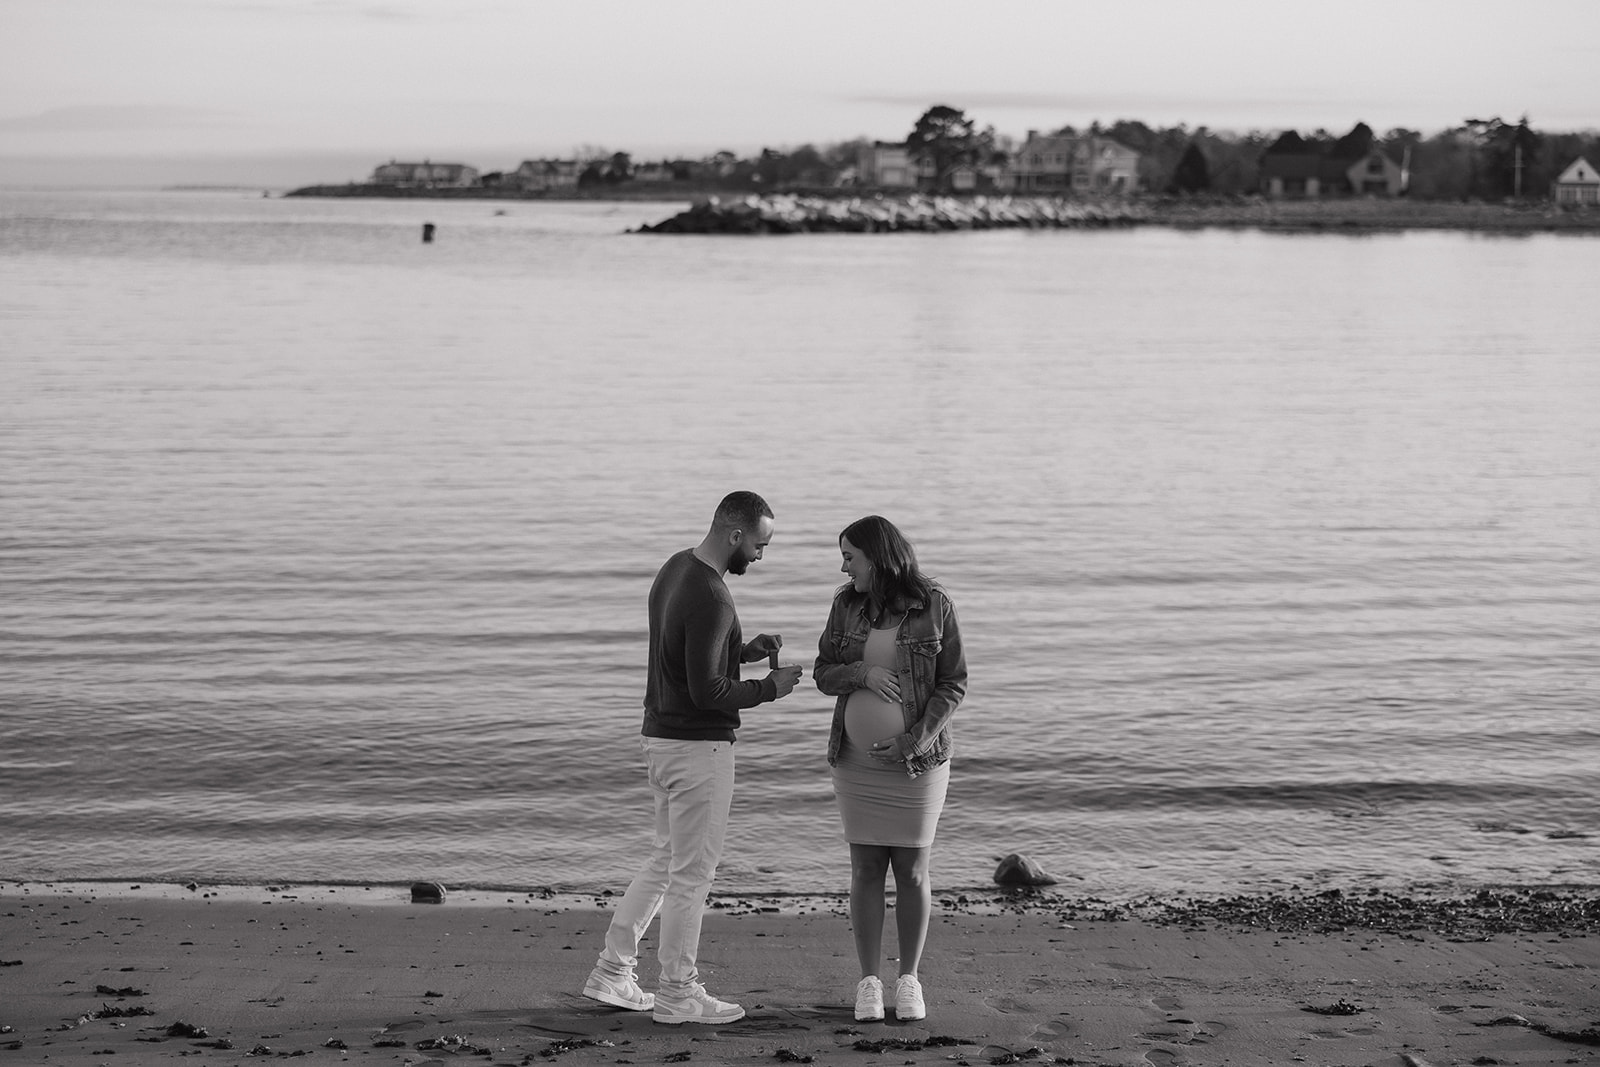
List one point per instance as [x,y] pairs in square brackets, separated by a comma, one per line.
[869,866]
[913,903]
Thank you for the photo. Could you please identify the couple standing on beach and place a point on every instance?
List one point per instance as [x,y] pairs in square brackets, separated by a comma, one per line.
[891,654]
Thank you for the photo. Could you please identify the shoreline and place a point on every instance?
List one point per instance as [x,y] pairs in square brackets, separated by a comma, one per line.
[1372,214]
[233,977]
[730,211]
[788,214]
[1497,908]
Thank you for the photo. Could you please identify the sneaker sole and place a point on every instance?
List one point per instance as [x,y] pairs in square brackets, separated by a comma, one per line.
[870,1017]
[712,1020]
[617,1002]
[910,1016]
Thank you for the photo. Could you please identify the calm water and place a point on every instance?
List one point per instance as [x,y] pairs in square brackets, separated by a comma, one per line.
[323,552]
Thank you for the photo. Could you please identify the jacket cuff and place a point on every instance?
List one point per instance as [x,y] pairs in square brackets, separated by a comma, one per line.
[858,674]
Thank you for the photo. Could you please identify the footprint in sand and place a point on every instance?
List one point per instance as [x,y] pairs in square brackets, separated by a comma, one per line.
[759,1020]
[1050,1031]
[400,1027]
[1175,1032]
[1176,1029]
[1183,1032]
[1010,1005]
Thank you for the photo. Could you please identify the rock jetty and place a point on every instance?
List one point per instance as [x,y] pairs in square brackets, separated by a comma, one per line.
[788,213]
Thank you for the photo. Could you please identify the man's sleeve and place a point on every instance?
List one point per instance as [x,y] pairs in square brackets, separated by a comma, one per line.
[705,650]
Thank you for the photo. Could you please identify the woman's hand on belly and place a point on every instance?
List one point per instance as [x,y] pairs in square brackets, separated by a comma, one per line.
[883,682]
[890,750]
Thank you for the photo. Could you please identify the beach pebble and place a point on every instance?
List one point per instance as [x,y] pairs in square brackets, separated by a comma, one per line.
[1017,869]
[427,893]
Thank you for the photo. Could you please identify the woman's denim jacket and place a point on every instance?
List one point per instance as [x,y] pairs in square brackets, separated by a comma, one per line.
[928,658]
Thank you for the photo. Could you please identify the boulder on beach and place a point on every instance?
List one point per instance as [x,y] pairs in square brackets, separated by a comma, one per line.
[427,893]
[1017,869]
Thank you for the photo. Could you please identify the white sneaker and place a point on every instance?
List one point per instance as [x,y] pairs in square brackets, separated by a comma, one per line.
[694,1005]
[869,999]
[620,991]
[908,999]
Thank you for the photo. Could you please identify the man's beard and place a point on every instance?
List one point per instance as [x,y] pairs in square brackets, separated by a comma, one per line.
[738,565]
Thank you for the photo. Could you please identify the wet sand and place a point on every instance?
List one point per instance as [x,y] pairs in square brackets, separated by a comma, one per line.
[112,974]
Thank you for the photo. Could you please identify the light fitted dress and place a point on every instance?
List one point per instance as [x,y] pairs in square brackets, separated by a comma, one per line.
[879,804]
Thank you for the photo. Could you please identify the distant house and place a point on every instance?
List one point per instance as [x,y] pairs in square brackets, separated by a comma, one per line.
[1375,174]
[886,164]
[654,172]
[964,177]
[1578,184]
[425,175]
[961,177]
[1068,163]
[1297,174]
[1293,167]
[533,174]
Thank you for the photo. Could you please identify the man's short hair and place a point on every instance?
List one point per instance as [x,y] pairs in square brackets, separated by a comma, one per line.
[742,510]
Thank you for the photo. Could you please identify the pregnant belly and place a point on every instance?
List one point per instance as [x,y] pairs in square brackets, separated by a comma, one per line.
[868,718]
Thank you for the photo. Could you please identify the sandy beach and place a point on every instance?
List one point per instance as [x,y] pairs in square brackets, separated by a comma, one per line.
[120,974]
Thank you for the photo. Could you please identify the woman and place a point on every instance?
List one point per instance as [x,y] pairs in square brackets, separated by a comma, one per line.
[891,653]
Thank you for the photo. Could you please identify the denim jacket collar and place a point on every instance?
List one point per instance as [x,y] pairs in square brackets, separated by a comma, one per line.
[861,601]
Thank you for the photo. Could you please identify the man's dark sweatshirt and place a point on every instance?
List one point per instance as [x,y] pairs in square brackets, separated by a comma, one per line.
[693,692]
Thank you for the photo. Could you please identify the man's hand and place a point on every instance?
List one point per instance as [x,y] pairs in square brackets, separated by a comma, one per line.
[785,678]
[762,646]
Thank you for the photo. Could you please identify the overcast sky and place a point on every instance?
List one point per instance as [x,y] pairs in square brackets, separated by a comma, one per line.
[491,82]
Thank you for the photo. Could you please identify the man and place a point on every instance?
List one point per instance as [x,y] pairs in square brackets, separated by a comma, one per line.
[693,695]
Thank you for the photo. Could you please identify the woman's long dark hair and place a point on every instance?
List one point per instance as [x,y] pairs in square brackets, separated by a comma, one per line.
[896,578]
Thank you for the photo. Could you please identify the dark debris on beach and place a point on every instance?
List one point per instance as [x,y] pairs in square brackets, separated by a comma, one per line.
[1338,1007]
[1481,915]
[454,1043]
[1589,1035]
[1477,916]
[568,1044]
[907,1044]
[112,1011]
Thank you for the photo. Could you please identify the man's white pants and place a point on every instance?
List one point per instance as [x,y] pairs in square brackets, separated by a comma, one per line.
[692,782]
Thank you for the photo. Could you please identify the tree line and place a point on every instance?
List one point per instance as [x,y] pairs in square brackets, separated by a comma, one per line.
[1488,159]
[1485,159]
